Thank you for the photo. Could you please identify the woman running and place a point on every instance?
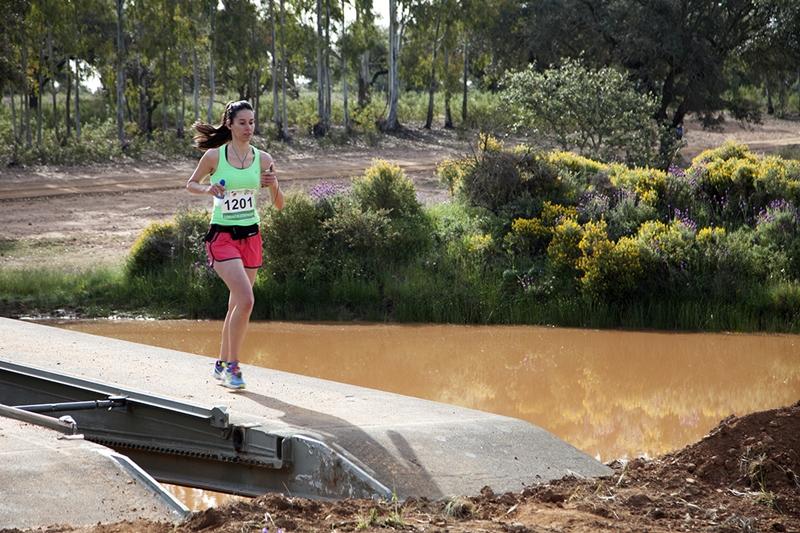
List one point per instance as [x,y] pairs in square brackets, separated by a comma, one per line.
[233,243]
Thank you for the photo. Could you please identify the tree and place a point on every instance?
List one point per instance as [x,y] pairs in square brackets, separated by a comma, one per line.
[597,112]
[675,50]
[392,123]
[120,75]
[434,50]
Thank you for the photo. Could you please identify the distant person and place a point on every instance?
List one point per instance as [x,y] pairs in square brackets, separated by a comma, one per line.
[237,171]
[679,131]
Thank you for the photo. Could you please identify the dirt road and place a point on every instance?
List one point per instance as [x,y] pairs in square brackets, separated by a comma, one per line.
[83,217]
[90,216]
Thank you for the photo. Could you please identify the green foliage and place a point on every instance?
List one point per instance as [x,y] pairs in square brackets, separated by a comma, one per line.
[169,245]
[734,185]
[360,242]
[154,249]
[610,271]
[384,186]
[598,112]
[512,182]
[293,240]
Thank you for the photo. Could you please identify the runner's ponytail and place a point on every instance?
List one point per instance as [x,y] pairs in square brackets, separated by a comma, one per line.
[209,136]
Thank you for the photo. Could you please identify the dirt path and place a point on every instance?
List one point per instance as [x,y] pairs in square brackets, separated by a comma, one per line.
[77,218]
[86,217]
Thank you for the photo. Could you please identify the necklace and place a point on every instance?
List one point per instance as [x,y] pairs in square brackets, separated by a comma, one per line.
[241,159]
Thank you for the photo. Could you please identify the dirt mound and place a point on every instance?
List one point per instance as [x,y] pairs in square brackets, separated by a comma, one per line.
[760,451]
[739,478]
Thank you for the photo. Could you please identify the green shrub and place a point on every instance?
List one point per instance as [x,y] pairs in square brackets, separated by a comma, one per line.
[359,243]
[385,187]
[154,250]
[627,213]
[598,112]
[493,181]
[294,239]
[667,251]
[778,228]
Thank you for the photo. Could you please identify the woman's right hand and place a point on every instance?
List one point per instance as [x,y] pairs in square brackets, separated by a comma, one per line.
[216,189]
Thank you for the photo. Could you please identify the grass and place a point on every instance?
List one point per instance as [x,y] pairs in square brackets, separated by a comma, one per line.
[413,294]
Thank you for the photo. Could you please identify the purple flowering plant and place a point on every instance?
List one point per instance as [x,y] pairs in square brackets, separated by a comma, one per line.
[325,191]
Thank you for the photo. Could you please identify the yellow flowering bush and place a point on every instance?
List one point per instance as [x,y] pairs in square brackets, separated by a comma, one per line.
[552,213]
[729,150]
[672,243]
[530,236]
[489,143]
[610,270]
[708,236]
[648,183]
[451,172]
[575,163]
[478,243]
[563,251]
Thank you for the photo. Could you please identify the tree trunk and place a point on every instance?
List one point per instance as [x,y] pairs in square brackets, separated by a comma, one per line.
[448,116]
[276,117]
[770,106]
[320,129]
[180,120]
[40,84]
[392,123]
[432,82]
[363,79]
[53,90]
[120,78]
[344,78]
[68,101]
[14,130]
[26,112]
[464,85]
[211,81]
[283,132]
[257,98]
[328,83]
[144,122]
[195,86]
[164,125]
[782,95]
[77,100]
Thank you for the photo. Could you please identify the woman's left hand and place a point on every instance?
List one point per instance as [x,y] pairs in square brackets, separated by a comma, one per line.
[269,178]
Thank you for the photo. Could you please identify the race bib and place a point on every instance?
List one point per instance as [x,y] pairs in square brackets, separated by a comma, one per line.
[237,204]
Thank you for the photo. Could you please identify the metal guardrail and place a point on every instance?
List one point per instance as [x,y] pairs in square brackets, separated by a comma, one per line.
[187,444]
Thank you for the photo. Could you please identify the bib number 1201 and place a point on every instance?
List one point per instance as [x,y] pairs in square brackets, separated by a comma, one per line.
[237,201]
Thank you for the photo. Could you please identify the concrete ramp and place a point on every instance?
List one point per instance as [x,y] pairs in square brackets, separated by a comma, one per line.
[48,478]
[410,447]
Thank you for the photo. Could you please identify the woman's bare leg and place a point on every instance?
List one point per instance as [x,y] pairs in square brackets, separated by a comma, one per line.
[239,281]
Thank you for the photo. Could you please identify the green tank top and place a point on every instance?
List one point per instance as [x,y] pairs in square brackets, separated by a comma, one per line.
[238,207]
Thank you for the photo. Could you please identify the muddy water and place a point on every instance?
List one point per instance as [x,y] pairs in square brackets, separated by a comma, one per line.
[609,393]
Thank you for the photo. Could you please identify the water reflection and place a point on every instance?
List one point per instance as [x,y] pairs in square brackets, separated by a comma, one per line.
[609,393]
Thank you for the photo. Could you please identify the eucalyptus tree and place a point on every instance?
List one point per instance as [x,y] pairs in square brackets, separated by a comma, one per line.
[120,73]
[438,7]
[392,123]
[13,64]
[364,48]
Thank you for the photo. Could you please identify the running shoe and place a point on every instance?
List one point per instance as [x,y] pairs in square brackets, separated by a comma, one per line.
[233,376]
[219,370]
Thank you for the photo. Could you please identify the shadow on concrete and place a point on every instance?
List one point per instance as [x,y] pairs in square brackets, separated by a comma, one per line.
[399,470]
